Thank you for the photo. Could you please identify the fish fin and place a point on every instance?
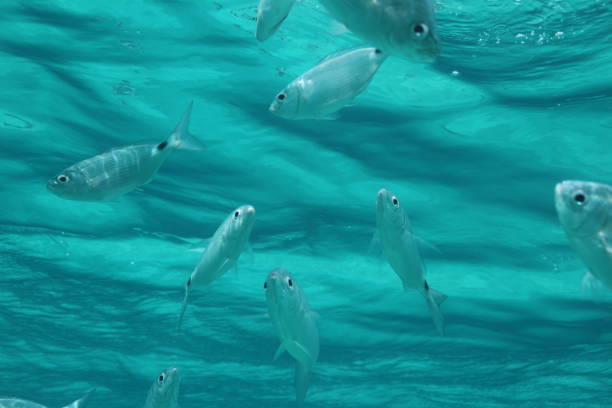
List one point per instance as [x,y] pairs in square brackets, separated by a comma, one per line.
[199,246]
[260,35]
[302,381]
[331,116]
[281,349]
[83,401]
[313,314]
[184,304]
[375,247]
[295,346]
[425,245]
[434,299]
[590,282]
[337,28]
[181,138]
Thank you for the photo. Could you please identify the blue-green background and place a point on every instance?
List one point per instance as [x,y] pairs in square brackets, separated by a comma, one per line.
[519,99]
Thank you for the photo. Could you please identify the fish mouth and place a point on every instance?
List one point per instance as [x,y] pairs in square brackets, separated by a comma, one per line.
[51,184]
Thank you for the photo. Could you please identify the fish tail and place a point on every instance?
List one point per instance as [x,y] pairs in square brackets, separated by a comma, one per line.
[180,137]
[302,381]
[184,305]
[434,299]
[81,402]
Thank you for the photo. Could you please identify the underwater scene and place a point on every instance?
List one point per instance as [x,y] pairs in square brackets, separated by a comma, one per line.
[316,203]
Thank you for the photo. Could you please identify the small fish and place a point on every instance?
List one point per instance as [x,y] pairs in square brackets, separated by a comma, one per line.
[585,212]
[404,28]
[19,403]
[165,390]
[295,326]
[270,16]
[329,86]
[401,249]
[111,174]
[223,251]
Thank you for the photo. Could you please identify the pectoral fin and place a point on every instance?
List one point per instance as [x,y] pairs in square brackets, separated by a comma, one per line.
[299,352]
[281,349]
[81,402]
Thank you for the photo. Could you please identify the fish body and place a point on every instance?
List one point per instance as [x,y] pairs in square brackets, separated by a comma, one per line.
[329,86]
[165,390]
[295,325]
[19,403]
[401,249]
[270,16]
[585,212]
[223,251]
[404,28]
[111,174]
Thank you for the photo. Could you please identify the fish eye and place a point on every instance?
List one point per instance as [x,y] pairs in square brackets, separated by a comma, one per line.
[395,202]
[161,378]
[281,96]
[236,214]
[62,178]
[580,198]
[290,282]
[420,30]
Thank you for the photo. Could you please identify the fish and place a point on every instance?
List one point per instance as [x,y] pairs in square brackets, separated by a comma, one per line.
[295,325]
[329,86]
[20,403]
[121,170]
[270,16]
[584,209]
[400,247]
[165,390]
[404,28]
[222,253]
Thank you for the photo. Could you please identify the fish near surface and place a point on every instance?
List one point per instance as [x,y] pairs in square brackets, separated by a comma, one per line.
[329,86]
[404,28]
[295,326]
[19,403]
[270,16]
[111,174]
[165,390]
[585,212]
[401,249]
[223,251]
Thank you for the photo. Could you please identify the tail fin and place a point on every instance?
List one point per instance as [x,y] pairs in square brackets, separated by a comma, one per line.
[434,299]
[302,380]
[184,305]
[81,402]
[181,138]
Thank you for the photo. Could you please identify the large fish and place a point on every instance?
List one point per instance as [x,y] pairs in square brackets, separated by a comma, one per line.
[295,326]
[585,212]
[165,390]
[111,174]
[270,16]
[19,403]
[222,252]
[329,86]
[405,28]
[401,249]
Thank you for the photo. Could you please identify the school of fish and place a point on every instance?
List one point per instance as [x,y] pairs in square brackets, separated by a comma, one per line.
[390,28]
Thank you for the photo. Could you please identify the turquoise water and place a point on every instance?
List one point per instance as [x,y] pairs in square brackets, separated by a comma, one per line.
[519,99]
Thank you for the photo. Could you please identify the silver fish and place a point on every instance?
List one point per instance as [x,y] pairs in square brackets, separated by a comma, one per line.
[270,16]
[111,174]
[223,251]
[329,86]
[405,28]
[585,212]
[165,390]
[295,326]
[401,249]
[19,403]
